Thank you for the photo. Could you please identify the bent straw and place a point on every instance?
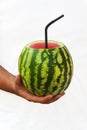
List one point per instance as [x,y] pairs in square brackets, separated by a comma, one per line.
[46,28]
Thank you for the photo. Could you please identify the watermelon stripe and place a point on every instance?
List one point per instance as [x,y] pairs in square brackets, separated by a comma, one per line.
[29,57]
[59,58]
[43,73]
[44,69]
[24,82]
[66,85]
[24,62]
[54,83]
[23,70]
[70,63]
[37,82]
[27,75]
[54,71]
[58,61]
[50,73]
[32,71]
[60,78]
[63,82]
[21,59]
[39,56]
[68,72]
[69,60]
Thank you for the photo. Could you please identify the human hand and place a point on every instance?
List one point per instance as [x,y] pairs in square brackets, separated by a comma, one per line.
[23,92]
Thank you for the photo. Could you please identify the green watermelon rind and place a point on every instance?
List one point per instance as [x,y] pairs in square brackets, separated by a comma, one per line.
[50,77]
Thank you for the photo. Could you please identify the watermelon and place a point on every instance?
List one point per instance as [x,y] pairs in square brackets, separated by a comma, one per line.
[45,70]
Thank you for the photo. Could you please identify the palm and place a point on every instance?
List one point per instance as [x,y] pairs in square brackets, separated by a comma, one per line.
[23,92]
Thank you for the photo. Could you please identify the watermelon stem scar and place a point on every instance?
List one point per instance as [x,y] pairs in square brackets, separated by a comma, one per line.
[46,36]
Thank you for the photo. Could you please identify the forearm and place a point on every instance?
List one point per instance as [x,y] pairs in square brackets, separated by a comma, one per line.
[6,80]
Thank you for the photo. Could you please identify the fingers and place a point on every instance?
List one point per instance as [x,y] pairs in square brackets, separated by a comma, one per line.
[37,99]
[44,100]
[57,97]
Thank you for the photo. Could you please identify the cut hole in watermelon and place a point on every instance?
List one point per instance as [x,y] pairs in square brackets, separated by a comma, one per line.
[41,45]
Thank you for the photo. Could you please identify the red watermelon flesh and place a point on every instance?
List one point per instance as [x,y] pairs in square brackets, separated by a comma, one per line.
[41,45]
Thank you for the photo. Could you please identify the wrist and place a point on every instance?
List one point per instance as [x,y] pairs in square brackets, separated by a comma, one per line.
[7,80]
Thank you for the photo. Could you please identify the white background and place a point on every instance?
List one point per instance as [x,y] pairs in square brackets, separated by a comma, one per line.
[23,21]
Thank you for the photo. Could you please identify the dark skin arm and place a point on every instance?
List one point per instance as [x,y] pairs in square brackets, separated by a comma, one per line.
[13,84]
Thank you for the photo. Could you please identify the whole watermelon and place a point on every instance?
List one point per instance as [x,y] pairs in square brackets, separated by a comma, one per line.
[45,70]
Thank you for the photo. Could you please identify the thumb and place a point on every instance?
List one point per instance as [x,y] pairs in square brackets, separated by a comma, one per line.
[18,80]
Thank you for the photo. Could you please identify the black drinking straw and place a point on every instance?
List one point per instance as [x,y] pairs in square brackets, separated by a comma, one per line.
[46,39]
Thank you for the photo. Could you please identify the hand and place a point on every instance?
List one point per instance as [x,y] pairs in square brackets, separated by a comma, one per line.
[23,92]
